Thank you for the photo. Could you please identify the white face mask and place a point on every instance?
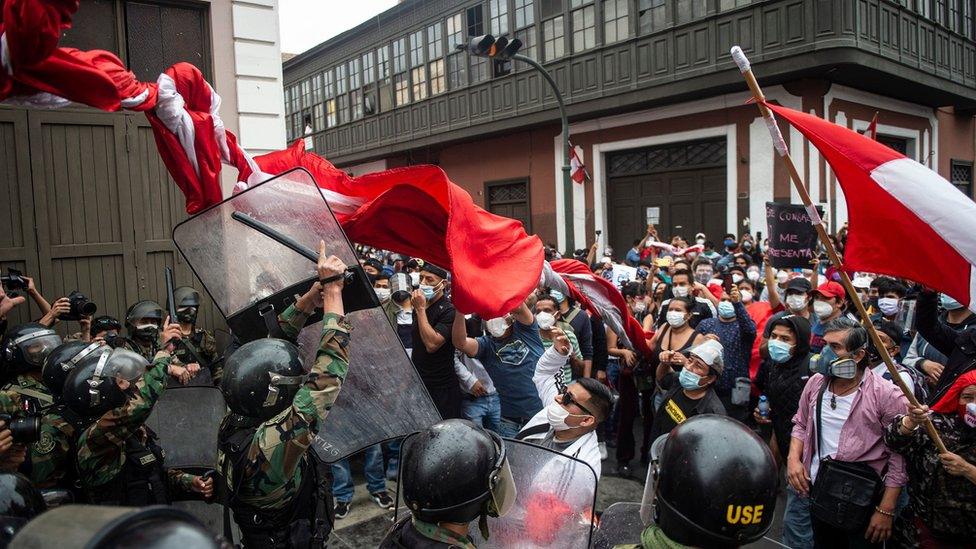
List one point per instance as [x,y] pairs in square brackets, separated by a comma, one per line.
[497,326]
[700,241]
[382,293]
[746,296]
[679,291]
[888,305]
[545,319]
[796,302]
[675,318]
[736,278]
[640,306]
[556,415]
[752,274]
[822,309]
[782,277]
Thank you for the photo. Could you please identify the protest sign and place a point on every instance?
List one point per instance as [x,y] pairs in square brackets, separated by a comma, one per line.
[792,239]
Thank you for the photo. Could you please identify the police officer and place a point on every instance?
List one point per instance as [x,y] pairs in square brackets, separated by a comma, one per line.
[119,462]
[452,474]
[52,456]
[716,486]
[23,351]
[143,324]
[200,341]
[267,476]
[19,503]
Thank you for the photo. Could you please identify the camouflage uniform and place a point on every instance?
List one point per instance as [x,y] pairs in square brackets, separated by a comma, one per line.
[272,472]
[32,392]
[147,351]
[102,446]
[204,345]
[51,456]
[417,534]
[10,402]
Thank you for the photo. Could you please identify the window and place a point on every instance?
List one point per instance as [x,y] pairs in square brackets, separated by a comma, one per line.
[354,74]
[476,21]
[288,107]
[690,10]
[368,72]
[455,33]
[553,43]
[401,89]
[527,36]
[419,78]
[317,89]
[509,199]
[479,68]
[383,63]
[328,86]
[499,17]
[551,8]
[962,176]
[356,103]
[967,19]
[417,48]
[616,24]
[341,82]
[306,87]
[330,113]
[652,16]
[524,13]
[923,7]
[435,42]
[437,77]
[318,117]
[955,7]
[400,55]
[584,28]
[732,4]
[456,73]
[343,103]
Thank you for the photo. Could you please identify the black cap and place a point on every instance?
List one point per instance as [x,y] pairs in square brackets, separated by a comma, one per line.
[434,270]
[798,284]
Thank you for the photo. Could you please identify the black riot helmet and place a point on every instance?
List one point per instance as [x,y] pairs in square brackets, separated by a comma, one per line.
[187,304]
[717,484]
[456,471]
[63,359]
[144,309]
[262,377]
[19,503]
[91,388]
[25,347]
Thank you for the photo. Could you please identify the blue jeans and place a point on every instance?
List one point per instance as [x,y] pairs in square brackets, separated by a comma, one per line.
[508,429]
[393,463]
[342,486]
[485,411]
[797,528]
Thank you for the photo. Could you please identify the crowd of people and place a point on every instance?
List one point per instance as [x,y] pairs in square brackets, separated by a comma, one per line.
[780,351]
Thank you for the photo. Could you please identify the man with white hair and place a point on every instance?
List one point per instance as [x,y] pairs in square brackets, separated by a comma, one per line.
[690,391]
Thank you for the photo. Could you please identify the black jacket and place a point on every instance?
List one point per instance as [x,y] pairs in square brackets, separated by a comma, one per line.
[783,383]
[960,347]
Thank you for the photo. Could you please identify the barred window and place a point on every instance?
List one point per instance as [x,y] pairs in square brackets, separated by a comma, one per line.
[419,78]
[435,42]
[400,55]
[553,38]
[401,87]
[368,73]
[455,32]
[616,23]
[437,77]
[584,28]
[962,176]
[499,17]
[456,71]
[524,13]
[417,48]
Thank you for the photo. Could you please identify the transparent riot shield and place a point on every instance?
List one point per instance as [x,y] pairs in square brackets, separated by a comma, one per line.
[252,278]
[620,524]
[555,498]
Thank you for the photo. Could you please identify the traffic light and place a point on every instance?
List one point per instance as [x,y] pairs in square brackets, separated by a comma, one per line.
[487,45]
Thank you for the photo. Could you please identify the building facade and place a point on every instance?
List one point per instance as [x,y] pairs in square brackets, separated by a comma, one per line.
[88,203]
[658,111]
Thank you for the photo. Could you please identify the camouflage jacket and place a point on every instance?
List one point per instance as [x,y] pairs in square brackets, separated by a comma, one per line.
[147,351]
[271,472]
[10,402]
[51,455]
[101,447]
[32,391]
[204,345]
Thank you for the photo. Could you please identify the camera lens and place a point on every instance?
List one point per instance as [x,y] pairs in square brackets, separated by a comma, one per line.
[25,430]
[87,308]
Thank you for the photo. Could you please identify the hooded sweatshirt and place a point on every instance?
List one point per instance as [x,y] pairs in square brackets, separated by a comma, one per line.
[783,383]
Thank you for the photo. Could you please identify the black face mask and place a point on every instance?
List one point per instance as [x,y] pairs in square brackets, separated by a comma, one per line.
[146,334]
[187,316]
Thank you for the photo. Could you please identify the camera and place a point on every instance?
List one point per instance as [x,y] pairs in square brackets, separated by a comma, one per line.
[25,430]
[13,281]
[80,306]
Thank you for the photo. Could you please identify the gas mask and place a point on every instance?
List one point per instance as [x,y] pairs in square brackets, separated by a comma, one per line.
[831,365]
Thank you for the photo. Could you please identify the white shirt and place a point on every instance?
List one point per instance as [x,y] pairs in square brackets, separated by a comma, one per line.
[832,421]
[470,371]
[881,371]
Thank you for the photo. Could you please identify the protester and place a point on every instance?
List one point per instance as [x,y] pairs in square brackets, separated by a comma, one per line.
[545,311]
[569,311]
[343,489]
[959,347]
[829,301]
[480,403]
[682,285]
[925,358]
[433,353]
[690,392]
[853,406]
[942,487]
[736,332]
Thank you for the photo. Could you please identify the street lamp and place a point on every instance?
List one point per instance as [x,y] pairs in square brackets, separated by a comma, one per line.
[504,49]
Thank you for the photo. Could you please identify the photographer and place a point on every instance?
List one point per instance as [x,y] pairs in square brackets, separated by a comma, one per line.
[12,454]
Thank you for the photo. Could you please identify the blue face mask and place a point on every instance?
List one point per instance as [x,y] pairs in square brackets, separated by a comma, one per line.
[728,242]
[726,309]
[428,291]
[689,380]
[949,303]
[779,352]
[557,295]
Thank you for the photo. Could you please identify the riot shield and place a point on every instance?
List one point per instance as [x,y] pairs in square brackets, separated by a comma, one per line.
[186,420]
[252,277]
[555,498]
[620,524]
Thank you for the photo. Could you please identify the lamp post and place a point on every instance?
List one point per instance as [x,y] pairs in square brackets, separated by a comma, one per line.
[505,49]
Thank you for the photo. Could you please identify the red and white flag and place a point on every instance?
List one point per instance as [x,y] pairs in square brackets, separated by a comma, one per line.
[904,217]
[872,130]
[577,170]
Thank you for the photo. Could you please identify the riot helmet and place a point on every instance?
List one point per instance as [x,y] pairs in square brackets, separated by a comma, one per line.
[143,320]
[262,377]
[102,381]
[187,304]
[19,503]
[63,359]
[716,484]
[456,471]
[25,347]
[106,327]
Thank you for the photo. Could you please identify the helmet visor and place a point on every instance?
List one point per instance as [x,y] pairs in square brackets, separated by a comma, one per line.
[650,485]
[126,365]
[503,492]
[37,348]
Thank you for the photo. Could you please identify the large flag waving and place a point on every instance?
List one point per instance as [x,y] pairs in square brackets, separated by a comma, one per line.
[904,217]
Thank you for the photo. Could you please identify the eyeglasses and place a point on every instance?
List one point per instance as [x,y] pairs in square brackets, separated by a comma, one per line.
[566,398]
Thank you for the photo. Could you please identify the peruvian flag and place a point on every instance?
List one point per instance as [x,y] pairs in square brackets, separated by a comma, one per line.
[904,217]
[577,170]
[872,130]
